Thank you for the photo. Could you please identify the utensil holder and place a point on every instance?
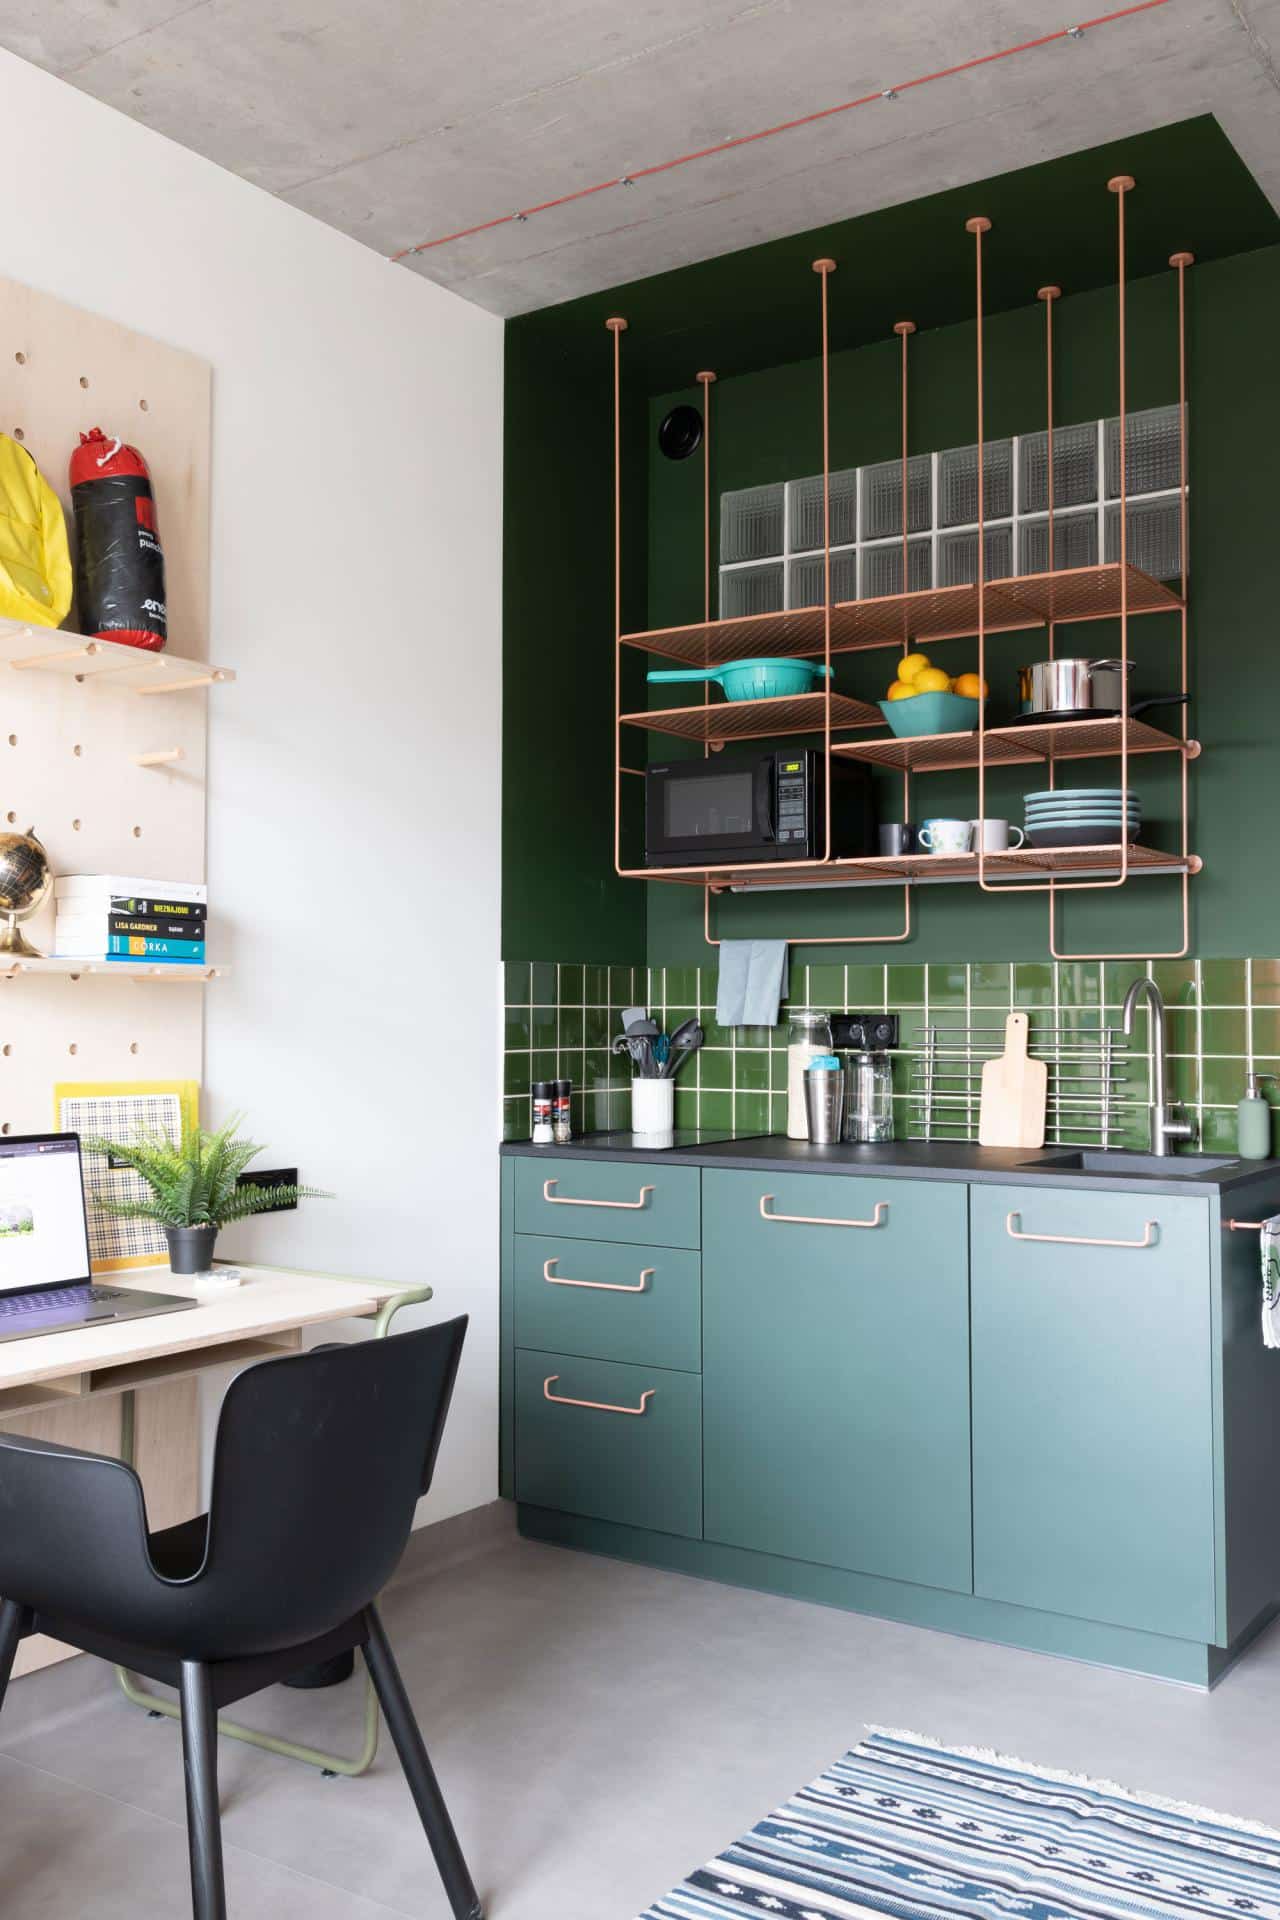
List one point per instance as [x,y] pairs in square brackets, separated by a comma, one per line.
[653,1106]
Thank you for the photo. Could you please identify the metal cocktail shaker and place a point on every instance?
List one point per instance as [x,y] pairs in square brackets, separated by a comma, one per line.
[824,1083]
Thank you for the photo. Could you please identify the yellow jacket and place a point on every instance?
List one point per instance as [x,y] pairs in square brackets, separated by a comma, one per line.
[35,563]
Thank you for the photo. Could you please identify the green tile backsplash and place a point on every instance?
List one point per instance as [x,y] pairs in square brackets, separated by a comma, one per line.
[1224,1019]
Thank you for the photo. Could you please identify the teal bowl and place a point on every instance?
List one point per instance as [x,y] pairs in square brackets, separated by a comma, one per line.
[931,713]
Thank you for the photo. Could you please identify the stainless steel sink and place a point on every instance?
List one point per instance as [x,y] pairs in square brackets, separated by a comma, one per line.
[1144,1166]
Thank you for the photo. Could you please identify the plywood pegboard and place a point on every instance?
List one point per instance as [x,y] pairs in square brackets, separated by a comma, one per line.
[70,743]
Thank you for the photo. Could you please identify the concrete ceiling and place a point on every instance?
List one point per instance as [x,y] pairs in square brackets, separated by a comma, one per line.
[396,121]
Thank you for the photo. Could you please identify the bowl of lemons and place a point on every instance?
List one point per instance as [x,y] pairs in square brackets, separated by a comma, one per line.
[923,699]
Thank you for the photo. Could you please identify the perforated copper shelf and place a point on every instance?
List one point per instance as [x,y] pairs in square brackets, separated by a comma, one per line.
[936,613]
[757,719]
[1012,746]
[922,869]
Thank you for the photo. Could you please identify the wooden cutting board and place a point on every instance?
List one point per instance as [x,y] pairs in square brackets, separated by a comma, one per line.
[1014,1089]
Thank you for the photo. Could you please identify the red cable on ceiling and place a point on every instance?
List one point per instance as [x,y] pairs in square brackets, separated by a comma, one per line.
[786,126]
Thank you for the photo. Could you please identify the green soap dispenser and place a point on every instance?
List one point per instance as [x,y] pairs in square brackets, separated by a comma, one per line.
[1253,1121]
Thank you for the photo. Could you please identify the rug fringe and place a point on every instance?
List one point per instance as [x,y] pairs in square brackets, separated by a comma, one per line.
[1186,1809]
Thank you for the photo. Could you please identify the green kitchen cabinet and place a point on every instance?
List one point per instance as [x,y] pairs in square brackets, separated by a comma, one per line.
[836,1372]
[1093,1419]
[609,1302]
[613,1442]
[654,1204]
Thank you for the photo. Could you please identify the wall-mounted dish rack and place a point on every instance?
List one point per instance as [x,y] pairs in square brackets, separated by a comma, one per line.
[1113,589]
[1090,1090]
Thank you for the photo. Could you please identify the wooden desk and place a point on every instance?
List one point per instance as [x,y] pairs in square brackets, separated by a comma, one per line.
[70,1387]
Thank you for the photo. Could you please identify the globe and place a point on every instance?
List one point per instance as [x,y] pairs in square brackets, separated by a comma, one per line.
[25,880]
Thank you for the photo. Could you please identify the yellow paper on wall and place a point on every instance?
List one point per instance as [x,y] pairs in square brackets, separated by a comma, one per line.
[121,1110]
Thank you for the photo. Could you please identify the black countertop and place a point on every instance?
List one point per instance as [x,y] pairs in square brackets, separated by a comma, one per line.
[902,1160]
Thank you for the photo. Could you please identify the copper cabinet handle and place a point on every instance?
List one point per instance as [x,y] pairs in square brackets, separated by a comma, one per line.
[565,1200]
[1077,1240]
[877,1219]
[597,1286]
[596,1406]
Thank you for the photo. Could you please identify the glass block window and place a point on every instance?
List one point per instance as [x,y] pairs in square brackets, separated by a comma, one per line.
[771,537]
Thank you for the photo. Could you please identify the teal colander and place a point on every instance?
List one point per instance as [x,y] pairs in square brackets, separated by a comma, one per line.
[750,679]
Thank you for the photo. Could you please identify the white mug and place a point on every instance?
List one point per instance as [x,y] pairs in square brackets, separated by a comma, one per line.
[994,835]
[946,836]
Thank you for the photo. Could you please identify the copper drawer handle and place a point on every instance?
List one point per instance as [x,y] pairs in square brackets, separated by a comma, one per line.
[877,1219]
[596,1406]
[626,1206]
[1077,1240]
[597,1286]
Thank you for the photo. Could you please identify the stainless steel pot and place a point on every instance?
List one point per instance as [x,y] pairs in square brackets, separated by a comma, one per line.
[1072,686]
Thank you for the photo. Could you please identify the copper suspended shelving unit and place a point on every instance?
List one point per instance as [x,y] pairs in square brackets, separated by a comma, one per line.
[903,621]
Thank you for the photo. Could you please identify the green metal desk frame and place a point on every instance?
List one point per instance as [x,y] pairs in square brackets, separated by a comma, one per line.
[330,1764]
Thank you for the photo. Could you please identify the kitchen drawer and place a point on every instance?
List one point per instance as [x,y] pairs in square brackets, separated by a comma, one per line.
[1093,1429]
[836,1372]
[626,1200]
[594,1298]
[633,1456]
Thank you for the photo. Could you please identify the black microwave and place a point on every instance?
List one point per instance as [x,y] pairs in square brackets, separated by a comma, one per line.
[740,807]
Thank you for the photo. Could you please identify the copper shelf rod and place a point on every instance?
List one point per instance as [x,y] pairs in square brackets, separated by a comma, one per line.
[1191,862]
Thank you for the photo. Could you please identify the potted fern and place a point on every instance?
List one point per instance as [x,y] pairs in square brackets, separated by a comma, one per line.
[193,1187]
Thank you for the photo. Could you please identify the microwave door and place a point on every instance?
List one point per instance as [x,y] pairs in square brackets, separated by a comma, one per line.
[709,810]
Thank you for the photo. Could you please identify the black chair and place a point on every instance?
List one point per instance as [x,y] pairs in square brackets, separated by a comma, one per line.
[320,1460]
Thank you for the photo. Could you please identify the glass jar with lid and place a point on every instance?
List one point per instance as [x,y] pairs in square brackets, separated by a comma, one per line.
[808,1036]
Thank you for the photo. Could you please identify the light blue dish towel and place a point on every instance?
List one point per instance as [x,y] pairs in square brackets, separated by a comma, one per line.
[751,977]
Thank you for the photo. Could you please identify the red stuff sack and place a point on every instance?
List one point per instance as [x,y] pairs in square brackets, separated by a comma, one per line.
[119,562]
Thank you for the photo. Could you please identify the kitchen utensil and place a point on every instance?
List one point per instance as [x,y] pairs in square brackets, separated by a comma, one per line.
[924,713]
[824,1082]
[661,1050]
[896,839]
[686,1039]
[631,1014]
[868,1107]
[994,835]
[1014,1091]
[1077,689]
[764,679]
[946,836]
[652,1105]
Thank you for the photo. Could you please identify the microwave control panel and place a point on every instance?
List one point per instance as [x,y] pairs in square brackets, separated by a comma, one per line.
[793,802]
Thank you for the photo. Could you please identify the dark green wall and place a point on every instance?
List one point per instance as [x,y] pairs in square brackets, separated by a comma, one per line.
[752,316]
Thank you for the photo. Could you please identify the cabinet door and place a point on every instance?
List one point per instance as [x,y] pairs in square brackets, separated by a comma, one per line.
[611,1199]
[836,1372]
[614,1442]
[609,1302]
[1092,1416]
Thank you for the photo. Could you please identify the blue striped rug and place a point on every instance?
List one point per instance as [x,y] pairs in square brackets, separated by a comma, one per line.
[904,1828]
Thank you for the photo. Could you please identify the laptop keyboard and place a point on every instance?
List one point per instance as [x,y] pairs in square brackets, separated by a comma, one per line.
[14,1305]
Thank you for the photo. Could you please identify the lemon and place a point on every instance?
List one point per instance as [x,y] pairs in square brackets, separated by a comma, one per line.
[969,686]
[900,690]
[912,665]
[932,680]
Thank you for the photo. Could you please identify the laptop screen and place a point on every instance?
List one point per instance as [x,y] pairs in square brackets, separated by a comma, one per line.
[44,1239]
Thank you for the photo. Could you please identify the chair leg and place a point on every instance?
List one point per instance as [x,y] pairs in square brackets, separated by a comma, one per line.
[13,1622]
[204,1824]
[423,1785]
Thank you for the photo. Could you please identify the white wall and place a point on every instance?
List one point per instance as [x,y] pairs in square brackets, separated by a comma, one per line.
[354,767]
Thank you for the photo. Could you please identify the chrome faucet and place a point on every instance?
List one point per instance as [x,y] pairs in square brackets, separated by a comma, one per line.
[1165,1126]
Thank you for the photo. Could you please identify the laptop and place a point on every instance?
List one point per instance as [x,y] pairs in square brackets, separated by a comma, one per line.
[45,1283]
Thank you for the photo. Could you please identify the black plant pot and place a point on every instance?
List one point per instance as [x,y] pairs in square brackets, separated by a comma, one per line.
[190,1248]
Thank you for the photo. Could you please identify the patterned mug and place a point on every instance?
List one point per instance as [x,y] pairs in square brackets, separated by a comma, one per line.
[946,836]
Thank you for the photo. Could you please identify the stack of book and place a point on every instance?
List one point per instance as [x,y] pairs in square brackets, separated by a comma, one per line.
[109,916]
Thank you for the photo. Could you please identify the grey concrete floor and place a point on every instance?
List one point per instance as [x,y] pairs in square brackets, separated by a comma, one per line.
[599,1729]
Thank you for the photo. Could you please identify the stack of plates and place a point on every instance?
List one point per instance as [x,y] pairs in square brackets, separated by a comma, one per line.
[1082,817]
